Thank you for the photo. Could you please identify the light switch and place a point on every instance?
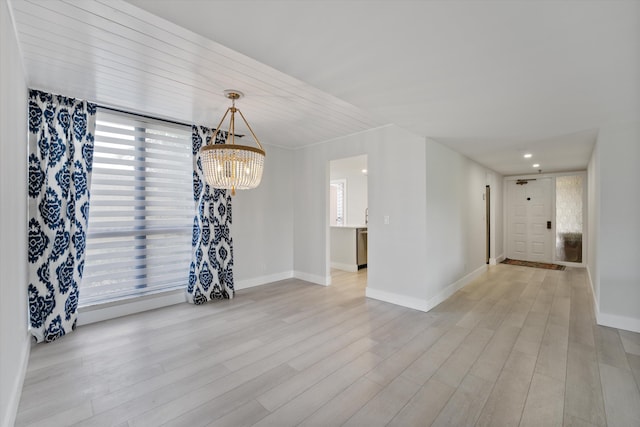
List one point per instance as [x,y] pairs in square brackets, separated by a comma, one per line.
[386,219]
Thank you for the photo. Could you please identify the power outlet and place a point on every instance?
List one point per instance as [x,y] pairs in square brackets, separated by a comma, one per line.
[386,220]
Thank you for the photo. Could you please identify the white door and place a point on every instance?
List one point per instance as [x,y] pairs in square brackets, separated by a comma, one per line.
[529,215]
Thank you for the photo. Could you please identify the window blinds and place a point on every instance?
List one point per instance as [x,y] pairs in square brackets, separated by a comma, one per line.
[142,209]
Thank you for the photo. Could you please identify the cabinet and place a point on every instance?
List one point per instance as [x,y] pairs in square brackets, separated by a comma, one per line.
[348,248]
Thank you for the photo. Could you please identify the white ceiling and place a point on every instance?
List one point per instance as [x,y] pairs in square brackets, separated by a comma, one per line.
[347,166]
[490,79]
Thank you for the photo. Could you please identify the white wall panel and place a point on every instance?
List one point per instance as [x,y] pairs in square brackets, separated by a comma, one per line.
[593,222]
[432,196]
[115,54]
[618,228]
[14,338]
[455,217]
[263,223]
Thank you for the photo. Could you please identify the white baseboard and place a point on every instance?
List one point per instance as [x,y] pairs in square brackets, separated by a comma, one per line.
[596,302]
[425,305]
[263,280]
[455,286]
[497,260]
[397,299]
[618,322]
[9,418]
[100,312]
[611,320]
[313,278]
[353,268]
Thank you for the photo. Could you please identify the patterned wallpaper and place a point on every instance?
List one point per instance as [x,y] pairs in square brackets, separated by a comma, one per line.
[569,204]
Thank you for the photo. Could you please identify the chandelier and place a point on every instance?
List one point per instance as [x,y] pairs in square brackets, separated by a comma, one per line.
[232,166]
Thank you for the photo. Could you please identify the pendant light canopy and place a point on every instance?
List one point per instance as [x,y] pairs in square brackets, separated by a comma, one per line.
[232,166]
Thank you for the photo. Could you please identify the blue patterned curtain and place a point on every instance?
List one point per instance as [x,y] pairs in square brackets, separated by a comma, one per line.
[60,157]
[211,270]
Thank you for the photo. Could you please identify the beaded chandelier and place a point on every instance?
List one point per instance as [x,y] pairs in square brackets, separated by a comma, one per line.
[232,166]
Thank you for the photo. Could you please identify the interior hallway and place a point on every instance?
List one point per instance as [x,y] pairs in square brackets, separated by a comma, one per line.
[519,346]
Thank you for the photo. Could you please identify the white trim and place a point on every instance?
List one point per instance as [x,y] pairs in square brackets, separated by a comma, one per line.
[16,391]
[353,268]
[571,264]
[596,304]
[263,280]
[313,278]
[397,299]
[111,310]
[456,286]
[544,175]
[618,322]
[422,305]
[496,261]
[612,320]
[593,290]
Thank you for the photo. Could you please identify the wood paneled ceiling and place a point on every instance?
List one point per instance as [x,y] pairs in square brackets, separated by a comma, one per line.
[118,55]
[490,79]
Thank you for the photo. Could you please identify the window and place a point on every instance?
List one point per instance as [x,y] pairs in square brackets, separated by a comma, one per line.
[337,203]
[142,208]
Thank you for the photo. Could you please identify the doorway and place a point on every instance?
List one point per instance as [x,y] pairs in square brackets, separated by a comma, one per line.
[530,229]
[487,203]
[348,214]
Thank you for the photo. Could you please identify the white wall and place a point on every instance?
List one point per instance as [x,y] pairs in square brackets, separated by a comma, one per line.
[435,240]
[593,223]
[396,244]
[14,337]
[397,252]
[311,200]
[344,248]
[615,262]
[497,211]
[455,221]
[263,224]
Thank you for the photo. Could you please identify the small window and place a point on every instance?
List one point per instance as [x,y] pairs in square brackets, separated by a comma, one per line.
[142,209]
[337,203]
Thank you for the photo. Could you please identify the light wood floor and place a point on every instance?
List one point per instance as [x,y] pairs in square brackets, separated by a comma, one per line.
[517,347]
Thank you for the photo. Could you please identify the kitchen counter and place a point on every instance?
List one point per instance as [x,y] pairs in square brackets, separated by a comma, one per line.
[348,247]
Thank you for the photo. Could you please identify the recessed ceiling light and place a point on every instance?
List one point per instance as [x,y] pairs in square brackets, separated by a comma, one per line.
[528,155]
[364,171]
[536,165]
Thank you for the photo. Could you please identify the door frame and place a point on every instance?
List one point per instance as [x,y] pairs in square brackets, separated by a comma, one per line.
[585,218]
[546,185]
[487,207]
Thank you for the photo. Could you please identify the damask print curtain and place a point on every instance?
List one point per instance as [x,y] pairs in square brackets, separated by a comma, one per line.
[61,136]
[211,270]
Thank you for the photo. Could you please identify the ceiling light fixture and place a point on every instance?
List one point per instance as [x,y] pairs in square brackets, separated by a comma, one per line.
[528,155]
[536,165]
[229,165]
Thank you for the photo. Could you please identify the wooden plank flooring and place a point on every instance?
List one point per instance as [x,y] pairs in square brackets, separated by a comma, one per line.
[519,346]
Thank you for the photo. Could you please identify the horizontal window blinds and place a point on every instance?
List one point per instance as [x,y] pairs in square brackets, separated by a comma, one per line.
[142,209]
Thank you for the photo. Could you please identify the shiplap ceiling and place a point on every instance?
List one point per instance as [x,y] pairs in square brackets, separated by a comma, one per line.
[118,55]
[490,79]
